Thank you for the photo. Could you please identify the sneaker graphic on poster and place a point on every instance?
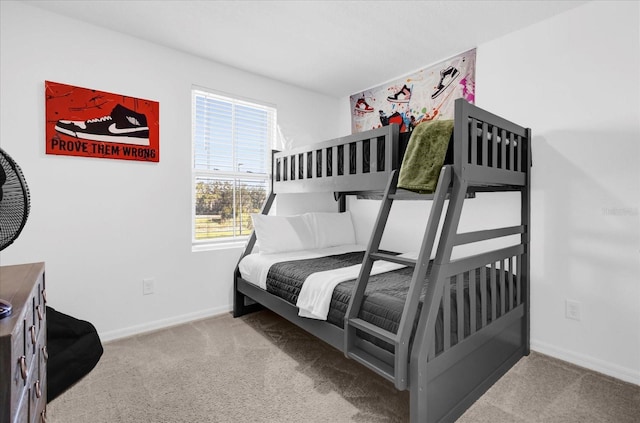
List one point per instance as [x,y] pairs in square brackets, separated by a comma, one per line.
[362,107]
[122,126]
[402,96]
[447,76]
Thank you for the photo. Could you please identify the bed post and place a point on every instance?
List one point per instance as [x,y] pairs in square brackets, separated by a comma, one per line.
[525,209]
[341,198]
[240,306]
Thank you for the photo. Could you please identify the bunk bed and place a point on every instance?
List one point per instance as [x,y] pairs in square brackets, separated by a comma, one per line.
[461,322]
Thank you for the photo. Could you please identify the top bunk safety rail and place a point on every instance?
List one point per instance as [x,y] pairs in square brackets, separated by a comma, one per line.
[488,152]
[356,163]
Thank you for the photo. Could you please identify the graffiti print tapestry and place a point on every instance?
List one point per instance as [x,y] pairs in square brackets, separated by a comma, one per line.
[422,96]
[92,123]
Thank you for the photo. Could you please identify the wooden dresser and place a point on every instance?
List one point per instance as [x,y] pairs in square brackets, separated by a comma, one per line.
[23,345]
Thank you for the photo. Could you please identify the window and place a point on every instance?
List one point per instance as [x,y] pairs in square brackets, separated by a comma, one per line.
[231,164]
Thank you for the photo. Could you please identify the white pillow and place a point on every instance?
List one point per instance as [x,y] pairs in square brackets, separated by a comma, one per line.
[277,234]
[332,229]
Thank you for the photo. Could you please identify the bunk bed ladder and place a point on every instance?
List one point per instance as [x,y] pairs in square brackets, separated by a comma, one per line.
[396,373]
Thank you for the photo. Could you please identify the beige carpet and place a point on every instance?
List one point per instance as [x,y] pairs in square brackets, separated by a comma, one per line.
[261,368]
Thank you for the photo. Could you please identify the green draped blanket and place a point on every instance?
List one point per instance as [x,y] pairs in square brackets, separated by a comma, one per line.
[425,156]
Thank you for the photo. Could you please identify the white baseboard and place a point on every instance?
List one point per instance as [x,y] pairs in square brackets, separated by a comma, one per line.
[623,373]
[162,324]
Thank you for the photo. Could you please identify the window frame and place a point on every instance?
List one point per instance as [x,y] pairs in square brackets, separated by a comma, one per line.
[236,176]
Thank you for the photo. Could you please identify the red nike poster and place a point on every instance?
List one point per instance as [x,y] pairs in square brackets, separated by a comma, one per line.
[92,123]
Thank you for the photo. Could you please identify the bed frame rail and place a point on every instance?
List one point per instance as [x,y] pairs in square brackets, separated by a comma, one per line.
[356,163]
[488,150]
[492,276]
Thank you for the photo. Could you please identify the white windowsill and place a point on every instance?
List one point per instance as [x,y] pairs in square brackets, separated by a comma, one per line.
[213,246]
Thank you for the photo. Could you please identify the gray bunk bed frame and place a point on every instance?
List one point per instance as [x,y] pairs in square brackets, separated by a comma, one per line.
[489,154]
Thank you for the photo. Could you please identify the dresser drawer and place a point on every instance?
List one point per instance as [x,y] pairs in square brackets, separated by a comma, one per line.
[39,304]
[37,394]
[22,414]
[23,338]
[20,366]
[31,330]
[35,315]
[39,385]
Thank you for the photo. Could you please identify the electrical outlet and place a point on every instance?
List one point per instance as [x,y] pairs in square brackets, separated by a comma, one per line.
[148,286]
[572,310]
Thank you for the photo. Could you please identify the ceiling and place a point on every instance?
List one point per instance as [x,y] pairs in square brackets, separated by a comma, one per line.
[336,48]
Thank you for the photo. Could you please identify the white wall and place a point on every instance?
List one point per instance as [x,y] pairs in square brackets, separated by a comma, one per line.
[100,225]
[575,80]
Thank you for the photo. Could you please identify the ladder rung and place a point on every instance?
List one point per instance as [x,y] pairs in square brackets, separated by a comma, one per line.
[373,330]
[373,363]
[404,194]
[393,259]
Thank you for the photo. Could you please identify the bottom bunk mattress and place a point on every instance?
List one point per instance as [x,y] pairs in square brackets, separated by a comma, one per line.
[385,295]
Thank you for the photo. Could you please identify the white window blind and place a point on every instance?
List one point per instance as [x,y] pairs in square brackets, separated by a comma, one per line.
[231,164]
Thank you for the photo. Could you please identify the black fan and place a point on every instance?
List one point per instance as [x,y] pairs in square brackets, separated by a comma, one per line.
[14,208]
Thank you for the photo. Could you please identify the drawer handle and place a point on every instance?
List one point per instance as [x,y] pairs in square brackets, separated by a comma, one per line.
[37,388]
[23,367]
[40,312]
[43,416]
[32,329]
[44,295]
[45,353]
